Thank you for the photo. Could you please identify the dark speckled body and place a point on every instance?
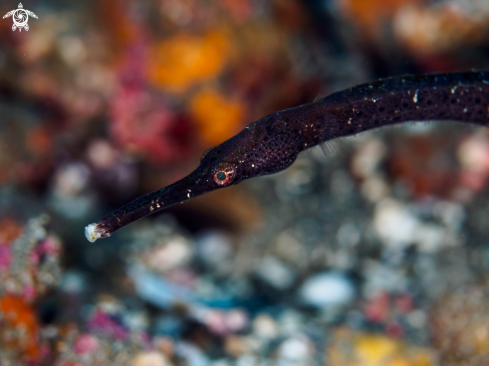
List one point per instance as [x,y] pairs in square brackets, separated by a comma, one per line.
[451,97]
[272,144]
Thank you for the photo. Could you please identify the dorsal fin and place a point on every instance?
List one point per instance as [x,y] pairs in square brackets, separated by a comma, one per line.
[320,96]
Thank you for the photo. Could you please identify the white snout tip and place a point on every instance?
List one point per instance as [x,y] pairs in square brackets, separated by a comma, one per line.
[91,233]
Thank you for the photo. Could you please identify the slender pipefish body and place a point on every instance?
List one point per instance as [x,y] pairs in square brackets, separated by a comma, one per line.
[272,143]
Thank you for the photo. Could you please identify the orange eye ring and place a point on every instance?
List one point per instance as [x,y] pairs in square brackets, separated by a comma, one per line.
[224,176]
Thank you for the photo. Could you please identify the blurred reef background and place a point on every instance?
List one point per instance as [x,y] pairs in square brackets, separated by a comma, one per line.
[375,256]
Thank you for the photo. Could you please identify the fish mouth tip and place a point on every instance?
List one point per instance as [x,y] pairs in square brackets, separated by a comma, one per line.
[94,232]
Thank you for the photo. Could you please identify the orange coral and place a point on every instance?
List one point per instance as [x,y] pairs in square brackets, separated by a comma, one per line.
[178,63]
[9,230]
[218,117]
[19,326]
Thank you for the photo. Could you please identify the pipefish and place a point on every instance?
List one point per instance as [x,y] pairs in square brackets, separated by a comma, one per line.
[272,143]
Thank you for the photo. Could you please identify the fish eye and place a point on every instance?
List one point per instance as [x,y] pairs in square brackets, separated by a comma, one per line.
[221,176]
[224,176]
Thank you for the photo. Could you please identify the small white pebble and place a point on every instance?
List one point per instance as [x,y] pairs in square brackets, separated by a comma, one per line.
[150,358]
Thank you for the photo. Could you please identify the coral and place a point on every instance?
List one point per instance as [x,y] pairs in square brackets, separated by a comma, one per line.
[143,124]
[218,117]
[19,334]
[30,263]
[29,266]
[184,60]
[108,341]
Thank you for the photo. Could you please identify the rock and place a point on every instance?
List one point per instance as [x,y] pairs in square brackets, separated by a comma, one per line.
[213,247]
[172,254]
[151,358]
[296,348]
[380,277]
[236,345]
[165,345]
[236,320]
[192,355]
[431,238]
[348,235]
[327,289]
[291,321]
[275,273]
[265,326]
[367,158]
[394,224]
[248,360]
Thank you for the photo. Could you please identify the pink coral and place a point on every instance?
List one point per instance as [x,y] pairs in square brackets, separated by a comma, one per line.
[144,125]
[5,257]
[104,323]
[85,344]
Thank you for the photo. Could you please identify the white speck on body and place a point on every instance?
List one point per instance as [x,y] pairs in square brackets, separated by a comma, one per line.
[151,208]
[415,98]
[253,165]
[466,110]
[188,195]
[158,205]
